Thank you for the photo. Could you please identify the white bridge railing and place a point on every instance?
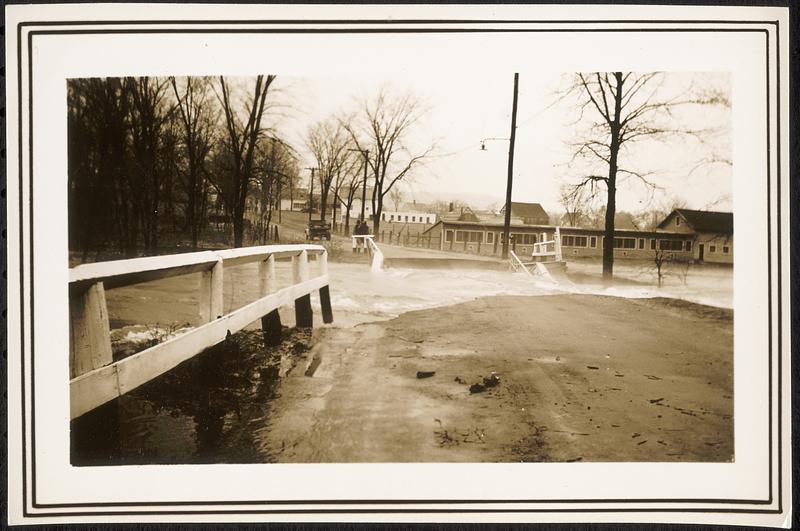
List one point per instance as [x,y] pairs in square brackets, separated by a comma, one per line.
[96,379]
[550,248]
[372,248]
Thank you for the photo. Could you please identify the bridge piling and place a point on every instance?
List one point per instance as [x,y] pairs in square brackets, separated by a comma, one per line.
[304,315]
[324,291]
[271,322]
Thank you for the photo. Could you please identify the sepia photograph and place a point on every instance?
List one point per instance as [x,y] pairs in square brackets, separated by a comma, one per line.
[398,263]
[517,268]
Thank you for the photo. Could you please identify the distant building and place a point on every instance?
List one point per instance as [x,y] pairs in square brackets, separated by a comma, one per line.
[529,213]
[699,236]
[297,201]
[409,213]
[712,232]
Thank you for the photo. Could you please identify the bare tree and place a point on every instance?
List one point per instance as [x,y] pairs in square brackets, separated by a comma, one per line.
[397,195]
[383,127]
[622,109]
[244,130]
[351,183]
[576,203]
[197,119]
[659,258]
[328,142]
[149,112]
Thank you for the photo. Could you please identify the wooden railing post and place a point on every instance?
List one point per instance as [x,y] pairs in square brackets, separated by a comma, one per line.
[267,283]
[90,347]
[210,300]
[324,291]
[304,316]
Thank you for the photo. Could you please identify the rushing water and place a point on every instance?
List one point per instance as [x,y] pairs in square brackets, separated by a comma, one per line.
[215,407]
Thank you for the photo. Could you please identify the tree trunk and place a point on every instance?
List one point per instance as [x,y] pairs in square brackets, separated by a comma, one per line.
[611,205]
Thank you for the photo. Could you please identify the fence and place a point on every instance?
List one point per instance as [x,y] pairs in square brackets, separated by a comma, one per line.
[96,379]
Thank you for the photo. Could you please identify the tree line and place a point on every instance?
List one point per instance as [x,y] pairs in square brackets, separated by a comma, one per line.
[156,161]
[151,157]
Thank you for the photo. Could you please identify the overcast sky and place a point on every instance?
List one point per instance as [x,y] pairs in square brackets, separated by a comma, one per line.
[465,108]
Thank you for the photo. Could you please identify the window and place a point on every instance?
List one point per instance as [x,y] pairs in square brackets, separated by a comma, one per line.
[652,244]
[725,249]
[414,219]
[624,243]
[688,245]
[593,242]
[712,249]
[391,217]
[448,235]
[490,237]
[677,221]
[575,241]
[671,245]
[383,217]
[470,236]
[406,219]
[641,243]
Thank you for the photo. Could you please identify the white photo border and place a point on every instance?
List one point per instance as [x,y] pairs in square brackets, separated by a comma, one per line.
[25,503]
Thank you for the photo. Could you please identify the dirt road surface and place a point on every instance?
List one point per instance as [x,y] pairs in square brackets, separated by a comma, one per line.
[581,378]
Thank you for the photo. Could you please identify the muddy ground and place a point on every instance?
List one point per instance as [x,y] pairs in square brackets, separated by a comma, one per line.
[581,378]
[514,379]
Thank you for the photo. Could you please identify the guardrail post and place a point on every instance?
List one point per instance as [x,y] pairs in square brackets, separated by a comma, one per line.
[304,316]
[324,291]
[267,283]
[90,345]
[210,302]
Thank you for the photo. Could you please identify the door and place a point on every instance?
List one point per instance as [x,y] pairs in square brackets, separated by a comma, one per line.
[701,251]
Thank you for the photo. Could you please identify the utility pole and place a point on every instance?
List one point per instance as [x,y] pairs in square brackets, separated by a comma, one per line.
[311,194]
[507,222]
[364,184]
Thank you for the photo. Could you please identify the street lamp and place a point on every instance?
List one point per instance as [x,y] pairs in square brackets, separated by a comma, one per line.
[364,152]
[507,220]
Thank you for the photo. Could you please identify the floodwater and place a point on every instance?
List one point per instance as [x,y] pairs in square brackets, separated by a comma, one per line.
[215,407]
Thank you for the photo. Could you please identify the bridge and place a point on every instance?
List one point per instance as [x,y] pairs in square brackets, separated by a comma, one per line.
[95,378]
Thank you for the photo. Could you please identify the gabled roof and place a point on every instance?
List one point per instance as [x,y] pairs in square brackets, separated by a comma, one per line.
[705,221]
[527,210]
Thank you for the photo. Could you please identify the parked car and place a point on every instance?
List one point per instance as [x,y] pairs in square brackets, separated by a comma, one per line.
[318,229]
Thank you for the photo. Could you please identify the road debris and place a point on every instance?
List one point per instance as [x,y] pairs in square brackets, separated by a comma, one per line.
[425,374]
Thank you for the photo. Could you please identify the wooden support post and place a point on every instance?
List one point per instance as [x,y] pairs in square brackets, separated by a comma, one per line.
[210,300]
[90,340]
[267,283]
[304,316]
[325,302]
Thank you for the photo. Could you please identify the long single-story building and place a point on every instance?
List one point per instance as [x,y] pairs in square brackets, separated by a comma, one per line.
[482,234]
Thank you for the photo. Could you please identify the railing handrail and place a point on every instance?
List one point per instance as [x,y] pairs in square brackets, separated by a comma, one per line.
[96,378]
[120,273]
